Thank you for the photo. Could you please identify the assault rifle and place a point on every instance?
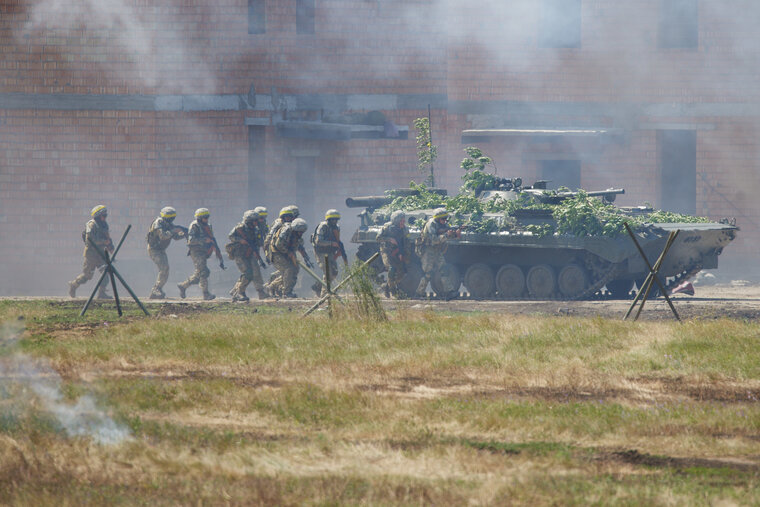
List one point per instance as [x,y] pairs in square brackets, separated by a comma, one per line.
[341,247]
[207,230]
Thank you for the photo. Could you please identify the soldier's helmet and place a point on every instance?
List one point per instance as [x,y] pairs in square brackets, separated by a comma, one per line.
[98,210]
[286,211]
[168,212]
[397,216]
[261,211]
[250,216]
[295,210]
[299,225]
[440,213]
[201,212]
[332,213]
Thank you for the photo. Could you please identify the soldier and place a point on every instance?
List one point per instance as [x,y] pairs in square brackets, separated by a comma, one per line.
[286,215]
[396,251]
[243,248]
[162,232]
[261,224]
[431,245]
[284,248]
[327,245]
[96,231]
[201,244]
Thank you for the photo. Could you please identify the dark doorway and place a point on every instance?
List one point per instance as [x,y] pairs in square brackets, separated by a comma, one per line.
[677,155]
[561,173]
[305,187]
[256,166]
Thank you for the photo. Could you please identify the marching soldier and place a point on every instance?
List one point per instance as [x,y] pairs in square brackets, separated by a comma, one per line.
[327,245]
[162,232]
[286,215]
[284,248]
[243,248]
[201,244]
[431,245]
[96,231]
[396,251]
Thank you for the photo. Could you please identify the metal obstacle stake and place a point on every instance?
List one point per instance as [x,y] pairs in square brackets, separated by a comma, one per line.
[653,276]
[327,285]
[341,284]
[105,273]
[111,270]
[318,278]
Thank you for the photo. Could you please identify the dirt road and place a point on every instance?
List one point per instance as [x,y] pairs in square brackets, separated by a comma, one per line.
[737,301]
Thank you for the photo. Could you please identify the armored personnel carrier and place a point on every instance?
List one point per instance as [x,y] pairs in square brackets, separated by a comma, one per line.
[520,242]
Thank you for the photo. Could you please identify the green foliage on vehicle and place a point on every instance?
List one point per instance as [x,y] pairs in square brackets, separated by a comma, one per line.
[580,215]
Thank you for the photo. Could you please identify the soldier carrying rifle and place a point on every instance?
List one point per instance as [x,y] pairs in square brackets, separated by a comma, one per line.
[432,244]
[243,248]
[96,231]
[162,232]
[396,251]
[327,245]
[201,244]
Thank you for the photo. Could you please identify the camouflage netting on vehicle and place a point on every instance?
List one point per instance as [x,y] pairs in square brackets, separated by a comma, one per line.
[580,215]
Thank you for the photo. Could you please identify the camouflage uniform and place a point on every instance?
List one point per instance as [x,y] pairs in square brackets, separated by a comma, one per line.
[284,248]
[431,246]
[243,248]
[160,235]
[325,240]
[200,247]
[396,252]
[97,231]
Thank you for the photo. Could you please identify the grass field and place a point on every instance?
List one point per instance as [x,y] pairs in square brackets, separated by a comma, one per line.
[220,405]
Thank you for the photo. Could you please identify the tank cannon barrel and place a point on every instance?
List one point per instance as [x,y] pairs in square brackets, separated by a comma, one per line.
[368,201]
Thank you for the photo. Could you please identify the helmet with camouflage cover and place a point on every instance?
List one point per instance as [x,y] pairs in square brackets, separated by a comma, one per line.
[440,213]
[98,211]
[168,212]
[397,216]
[299,225]
[261,211]
[250,216]
[202,212]
[286,211]
[332,214]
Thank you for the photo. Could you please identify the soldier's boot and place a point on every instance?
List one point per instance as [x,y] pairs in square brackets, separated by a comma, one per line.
[182,288]
[386,290]
[263,293]
[73,289]
[207,296]
[156,293]
[290,294]
[240,297]
[317,288]
[420,292]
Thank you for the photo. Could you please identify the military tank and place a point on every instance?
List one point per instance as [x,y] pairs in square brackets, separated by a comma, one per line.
[521,258]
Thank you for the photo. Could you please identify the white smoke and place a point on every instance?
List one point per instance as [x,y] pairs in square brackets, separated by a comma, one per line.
[81,419]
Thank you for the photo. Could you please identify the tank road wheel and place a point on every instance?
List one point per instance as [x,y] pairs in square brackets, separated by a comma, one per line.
[446,282]
[541,281]
[572,281]
[619,289]
[510,281]
[411,279]
[479,281]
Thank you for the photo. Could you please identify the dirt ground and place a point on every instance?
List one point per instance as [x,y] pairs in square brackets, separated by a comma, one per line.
[736,300]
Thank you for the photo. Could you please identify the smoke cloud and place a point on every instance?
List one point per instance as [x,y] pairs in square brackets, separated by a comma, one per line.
[32,382]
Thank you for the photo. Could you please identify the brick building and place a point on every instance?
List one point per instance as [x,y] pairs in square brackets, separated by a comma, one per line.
[224,103]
